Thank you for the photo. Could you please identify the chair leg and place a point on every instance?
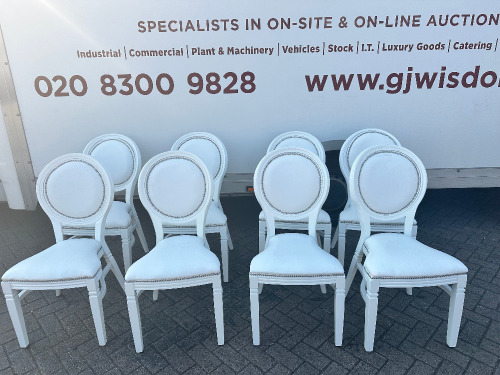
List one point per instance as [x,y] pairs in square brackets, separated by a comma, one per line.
[414,231]
[341,241]
[327,238]
[409,291]
[58,292]
[358,255]
[455,312]
[229,240]
[95,298]
[218,310]
[126,250]
[261,287]
[339,309]
[371,301]
[323,288]
[262,235]
[140,232]
[254,308]
[156,293]
[114,266]
[224,253]
[335,238]
[16,313]
[135,316]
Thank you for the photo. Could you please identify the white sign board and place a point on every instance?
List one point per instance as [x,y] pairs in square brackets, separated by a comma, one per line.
[426,71]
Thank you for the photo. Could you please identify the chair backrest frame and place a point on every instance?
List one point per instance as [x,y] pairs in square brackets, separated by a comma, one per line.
[316,176]
[372,193]
[182,163]
[183,142]
[88,202]
[347,156]
[128,183]
[281,140]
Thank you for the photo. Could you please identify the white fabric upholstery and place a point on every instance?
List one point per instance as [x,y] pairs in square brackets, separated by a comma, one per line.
[395,255]
[388,182]
[350,215]
[323,218]
[207,151]
[119,215]
[295,254]
[177,257]
[75,189]
[372,137]
[180,196]
[291,183]
[66,260]
[116,157]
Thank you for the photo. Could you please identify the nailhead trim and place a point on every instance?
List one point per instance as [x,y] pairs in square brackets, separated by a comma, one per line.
[52,205]
[288,275]
[320,183]
[147,188]
[175,278]
[132,153]
[417,191]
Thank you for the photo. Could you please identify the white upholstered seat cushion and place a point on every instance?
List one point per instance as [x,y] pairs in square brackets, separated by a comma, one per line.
[323,218]
[119,215]
[350,215]
[66,260]
[178,257]
[395,255]
[295,254]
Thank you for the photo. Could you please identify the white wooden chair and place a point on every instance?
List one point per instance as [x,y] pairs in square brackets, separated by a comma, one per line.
[122,159]
[387,183]
[175,187]
[324,224]
[349,218]
[291,184]
[73,190]
[212,152]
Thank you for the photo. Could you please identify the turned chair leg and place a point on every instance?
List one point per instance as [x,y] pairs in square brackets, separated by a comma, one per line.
[455,312]
[126,250]
[371,307]
[218,311]
[341,243]
[16,314]
[262,235]
[254,309]
[135,316]
[229,239]
[339,309]
[140,232]
[224,253]
[327,238]
[95,298]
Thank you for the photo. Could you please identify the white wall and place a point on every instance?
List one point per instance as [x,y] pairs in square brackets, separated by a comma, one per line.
[447,127]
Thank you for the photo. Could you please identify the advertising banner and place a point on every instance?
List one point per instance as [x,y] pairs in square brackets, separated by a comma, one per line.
[426,71]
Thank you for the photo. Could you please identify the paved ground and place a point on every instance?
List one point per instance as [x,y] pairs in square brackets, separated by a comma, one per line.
[296,322]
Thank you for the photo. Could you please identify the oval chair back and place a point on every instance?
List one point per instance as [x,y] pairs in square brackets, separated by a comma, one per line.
[360,141]
[290,184]
[211,151]
[298,139]
[175,187]
[121,158]
[75,190]
[387,183]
